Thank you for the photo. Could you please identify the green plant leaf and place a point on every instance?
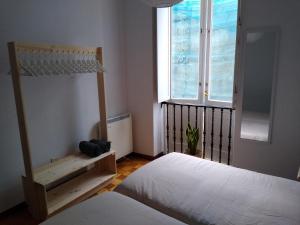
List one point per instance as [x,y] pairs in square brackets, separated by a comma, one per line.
[192,135]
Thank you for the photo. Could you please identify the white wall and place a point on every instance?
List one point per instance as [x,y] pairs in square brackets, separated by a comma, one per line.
[61,110]
[140,74]
[282,156]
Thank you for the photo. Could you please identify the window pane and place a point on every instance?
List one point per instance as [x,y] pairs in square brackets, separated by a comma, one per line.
[185,42]
[222,55]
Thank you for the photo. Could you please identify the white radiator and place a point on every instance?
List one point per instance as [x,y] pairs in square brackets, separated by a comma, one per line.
[119,131]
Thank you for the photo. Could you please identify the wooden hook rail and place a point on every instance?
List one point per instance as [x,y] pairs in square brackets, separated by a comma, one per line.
[50,188]
[40,60]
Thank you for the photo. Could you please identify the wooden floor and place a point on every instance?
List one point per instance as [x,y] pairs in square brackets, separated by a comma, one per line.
[125,167]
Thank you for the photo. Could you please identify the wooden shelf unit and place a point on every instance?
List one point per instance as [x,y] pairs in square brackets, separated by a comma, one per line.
[57,187]
[64,182]
[74,190]
[48,174]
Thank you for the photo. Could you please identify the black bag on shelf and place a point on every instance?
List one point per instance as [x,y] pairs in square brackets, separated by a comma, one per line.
[104,145]
[94,148]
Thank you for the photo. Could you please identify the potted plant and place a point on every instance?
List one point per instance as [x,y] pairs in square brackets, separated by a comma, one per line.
[192,136]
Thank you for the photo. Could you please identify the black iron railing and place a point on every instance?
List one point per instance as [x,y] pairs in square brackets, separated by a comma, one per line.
[209,119]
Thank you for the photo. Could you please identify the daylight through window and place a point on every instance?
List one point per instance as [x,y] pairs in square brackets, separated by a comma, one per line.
[202,36]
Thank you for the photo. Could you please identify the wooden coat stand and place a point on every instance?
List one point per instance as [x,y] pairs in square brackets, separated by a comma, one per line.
[52,187]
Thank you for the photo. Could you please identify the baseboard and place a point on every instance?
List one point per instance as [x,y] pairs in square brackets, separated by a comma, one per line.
[148,157]
[14,209]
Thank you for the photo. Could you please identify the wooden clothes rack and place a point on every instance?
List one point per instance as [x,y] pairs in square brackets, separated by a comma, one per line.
[52,187]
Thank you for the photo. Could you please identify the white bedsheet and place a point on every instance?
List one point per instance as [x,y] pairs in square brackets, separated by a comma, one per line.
[198,191]
[111,208]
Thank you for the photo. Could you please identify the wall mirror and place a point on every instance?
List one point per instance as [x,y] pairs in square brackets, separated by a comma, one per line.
[259,81]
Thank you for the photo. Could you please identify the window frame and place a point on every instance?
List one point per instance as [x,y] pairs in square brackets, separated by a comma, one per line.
[204,59]
[200,99]
[207,73]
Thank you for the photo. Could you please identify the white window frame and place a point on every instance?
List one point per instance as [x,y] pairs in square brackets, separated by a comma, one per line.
[208,64]
[200,99]
[204,63]
[163,54]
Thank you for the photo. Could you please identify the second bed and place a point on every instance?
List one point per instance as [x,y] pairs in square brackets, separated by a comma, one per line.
[111,208]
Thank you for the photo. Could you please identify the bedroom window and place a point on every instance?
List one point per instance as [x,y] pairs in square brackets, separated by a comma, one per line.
[196,51]
[185,49]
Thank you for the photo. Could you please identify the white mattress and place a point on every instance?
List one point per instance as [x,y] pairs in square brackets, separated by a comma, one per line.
[111,208]
[198,191]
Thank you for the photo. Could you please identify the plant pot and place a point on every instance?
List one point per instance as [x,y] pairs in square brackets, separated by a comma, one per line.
[197,152]
[192,151]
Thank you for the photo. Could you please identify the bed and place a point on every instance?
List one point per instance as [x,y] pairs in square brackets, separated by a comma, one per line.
[111,208]
[198,191]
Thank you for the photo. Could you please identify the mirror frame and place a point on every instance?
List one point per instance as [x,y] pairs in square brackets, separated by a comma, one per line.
[277,31]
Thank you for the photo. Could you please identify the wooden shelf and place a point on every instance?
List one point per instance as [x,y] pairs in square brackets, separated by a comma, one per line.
[52,172]
[69,192]
[67,181]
